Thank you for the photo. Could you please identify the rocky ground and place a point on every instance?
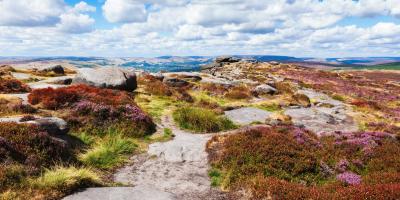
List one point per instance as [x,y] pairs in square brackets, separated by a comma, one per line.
[245,92]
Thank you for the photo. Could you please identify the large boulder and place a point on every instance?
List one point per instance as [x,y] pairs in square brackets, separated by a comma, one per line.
[264,89]
[53,125]
[175,82]
[107,77]
[226,59]
[56,69]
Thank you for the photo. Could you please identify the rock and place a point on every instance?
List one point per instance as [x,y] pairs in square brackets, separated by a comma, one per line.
[302,99]
[226,59]
[211,66]
[264,89]
[122,193]
[107,77]
[274,63]
[53,125]
[175,82]
[57,69]
[187,76]
[247,115]
[322,120]
[66,81]
[6,70]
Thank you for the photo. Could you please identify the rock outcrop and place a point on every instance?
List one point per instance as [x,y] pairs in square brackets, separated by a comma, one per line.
[220,61]
[107,77]
[56,69]
[53,125]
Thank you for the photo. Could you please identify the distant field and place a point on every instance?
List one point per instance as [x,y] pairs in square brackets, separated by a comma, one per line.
[388,66]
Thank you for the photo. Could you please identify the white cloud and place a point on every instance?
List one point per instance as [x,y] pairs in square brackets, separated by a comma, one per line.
[75,23]
[30,12]
[124,11]
[207,27]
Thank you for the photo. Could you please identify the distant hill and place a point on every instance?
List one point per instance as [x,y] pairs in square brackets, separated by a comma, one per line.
[193,63]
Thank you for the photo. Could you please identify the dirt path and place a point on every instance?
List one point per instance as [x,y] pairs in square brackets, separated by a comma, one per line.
[176,169]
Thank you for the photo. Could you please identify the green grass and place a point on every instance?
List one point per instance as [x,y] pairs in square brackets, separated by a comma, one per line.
[216,177]
[269,107]
[201,120]
[155,105]
[63,178]
[109,152]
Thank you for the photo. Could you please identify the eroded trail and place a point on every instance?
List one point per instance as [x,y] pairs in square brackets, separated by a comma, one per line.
[177,169]
[178,166]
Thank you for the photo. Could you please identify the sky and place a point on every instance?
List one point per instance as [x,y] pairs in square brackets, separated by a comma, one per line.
[147,28]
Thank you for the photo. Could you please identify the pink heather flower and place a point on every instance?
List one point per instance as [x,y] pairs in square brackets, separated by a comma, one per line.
[349,178]
[342,165]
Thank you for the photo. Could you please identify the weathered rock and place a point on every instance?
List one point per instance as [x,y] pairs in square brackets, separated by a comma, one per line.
[57,69]
[264,89]
[247,115]
[211,66]
[175,82]
[66,81]
[107,77]
[122,193]
[302,99]
[274,63]
[6,70]
[53,125]
[322,120]
[226,59]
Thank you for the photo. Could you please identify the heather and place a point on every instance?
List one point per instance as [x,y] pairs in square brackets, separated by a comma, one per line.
[11,85]
[92,109]
[289,162]
[376,90]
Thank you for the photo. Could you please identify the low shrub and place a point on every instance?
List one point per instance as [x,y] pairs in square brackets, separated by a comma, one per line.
[202,120]
[287,162]
[28,144]
[9,85]
[108,153]
[238,92]
[271,152]
[51,98]
[154,86]
[128,119]
[66,179]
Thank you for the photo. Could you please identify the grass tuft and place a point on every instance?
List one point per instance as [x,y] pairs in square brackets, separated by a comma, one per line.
[111,151]
[201,120]
[66,178]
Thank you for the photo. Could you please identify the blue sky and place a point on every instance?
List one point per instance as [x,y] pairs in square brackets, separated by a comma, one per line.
[119,28]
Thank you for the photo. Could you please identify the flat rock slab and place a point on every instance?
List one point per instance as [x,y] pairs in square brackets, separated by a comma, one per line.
[247,115]
[323,120]
[121,193]
[20,76]
[41,85]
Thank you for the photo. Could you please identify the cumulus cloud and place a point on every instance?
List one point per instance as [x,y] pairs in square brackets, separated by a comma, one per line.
[124,11]
[206,27]
[30,12]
